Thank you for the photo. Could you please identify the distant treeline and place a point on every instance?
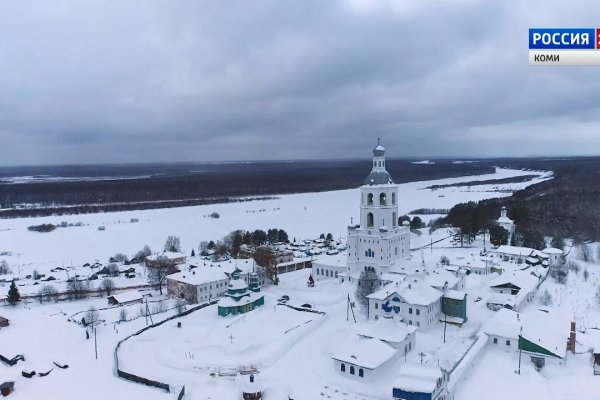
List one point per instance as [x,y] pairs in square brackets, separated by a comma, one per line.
[215,183]
[512,179]
[97,208]
[566,206]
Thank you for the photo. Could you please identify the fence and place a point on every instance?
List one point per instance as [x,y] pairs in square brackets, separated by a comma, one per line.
[140,379]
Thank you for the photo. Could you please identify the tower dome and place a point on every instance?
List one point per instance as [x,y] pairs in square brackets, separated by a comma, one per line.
[379,151]
[379,175]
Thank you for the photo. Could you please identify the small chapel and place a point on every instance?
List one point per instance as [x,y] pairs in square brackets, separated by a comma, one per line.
[241,297]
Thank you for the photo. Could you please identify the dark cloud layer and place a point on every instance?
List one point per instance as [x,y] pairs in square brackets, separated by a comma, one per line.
[142,81]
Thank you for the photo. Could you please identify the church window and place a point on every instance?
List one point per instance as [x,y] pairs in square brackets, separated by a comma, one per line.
[379,163]
[360,372]
[418,312]
[370,199]
[393,199]
[376,306]
[410,310]
[351,370]
[343,367]
[382,199]
[370,220]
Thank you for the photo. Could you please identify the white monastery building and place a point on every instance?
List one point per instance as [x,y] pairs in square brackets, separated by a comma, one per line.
[378,241]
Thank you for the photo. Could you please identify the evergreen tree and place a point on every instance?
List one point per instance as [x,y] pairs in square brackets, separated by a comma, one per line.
[498,235]
[13,294]
[193,253]
[513,239]
[322,236]
[558,242]
[283,236]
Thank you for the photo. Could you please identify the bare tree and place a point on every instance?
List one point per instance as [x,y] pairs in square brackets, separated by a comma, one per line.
[367,284]
[546,298]
[143,253]
[180,306]
[107,285]
[76,290]
[173,244]
[91,317]
[157,274]
[122,315]
[4,269]
[119,257]
[47,293]
[113,269]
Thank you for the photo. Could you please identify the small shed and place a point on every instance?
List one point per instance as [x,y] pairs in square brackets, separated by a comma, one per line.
[252,390]
[3,322]
[126,298]
[6,386]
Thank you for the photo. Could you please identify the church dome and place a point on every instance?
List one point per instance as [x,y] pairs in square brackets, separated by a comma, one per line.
[378,178]
[379,151]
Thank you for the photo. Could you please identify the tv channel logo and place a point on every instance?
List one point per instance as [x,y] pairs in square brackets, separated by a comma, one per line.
[564,39]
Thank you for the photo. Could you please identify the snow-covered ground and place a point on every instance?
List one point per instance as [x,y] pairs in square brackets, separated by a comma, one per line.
[292,349]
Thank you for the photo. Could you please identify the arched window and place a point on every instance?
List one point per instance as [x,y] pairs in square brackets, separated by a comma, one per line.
[351,370]
[327,273]
[418,312]
[380,163]
[360,372]
[374,163]
[370,199]
[382,200]
[369,220]
[394,219]
[343,367]
[393,198]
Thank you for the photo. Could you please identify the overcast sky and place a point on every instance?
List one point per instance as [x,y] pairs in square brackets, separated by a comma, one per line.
[144,81]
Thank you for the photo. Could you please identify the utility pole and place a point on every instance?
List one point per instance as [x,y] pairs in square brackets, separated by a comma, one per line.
[95,343]
[445,324]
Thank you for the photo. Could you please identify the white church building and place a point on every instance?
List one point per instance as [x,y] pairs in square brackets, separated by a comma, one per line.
[378,241]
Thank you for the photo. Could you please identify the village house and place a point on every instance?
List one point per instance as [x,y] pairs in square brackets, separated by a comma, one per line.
[172,259]
[503,329]
[364,357]
[207,281]
[514,254]
[3,322]
[412,302]
[512,290]
[330,266]
[421,382]
[126,298]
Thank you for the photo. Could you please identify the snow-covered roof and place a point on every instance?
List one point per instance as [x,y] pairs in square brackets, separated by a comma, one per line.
[199,276]
[439,277]
[229,302]
[335,260]
[547,330]
[169,255]
[522,279]
[515,250]
[552,250]
[503,299]
[365,352]
[412,291]
[504,220]
[237,284]
[388,330]
[127,297]
[455,294]
[418,378]
[505,323]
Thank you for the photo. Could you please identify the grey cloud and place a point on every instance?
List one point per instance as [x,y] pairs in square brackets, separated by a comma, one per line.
[206,81]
